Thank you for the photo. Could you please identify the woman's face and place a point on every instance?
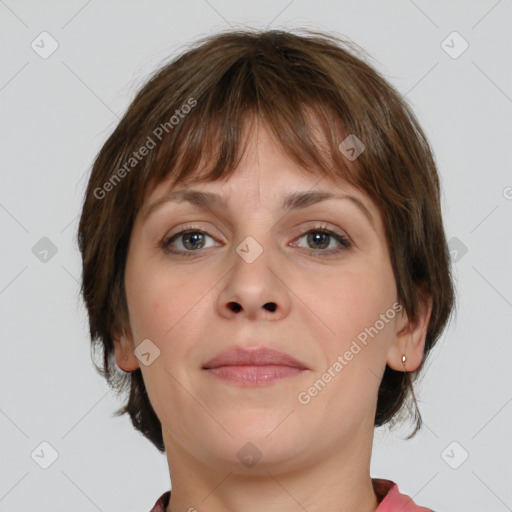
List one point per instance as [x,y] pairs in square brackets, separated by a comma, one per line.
[206,293]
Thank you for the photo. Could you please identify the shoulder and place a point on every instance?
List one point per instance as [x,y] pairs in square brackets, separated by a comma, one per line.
[392,500]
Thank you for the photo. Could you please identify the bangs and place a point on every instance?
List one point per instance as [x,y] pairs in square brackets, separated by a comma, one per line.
[210,142]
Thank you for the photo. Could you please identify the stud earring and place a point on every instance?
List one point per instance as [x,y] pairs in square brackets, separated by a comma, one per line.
[403,361]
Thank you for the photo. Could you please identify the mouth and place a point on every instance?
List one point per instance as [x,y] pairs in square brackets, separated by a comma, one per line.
[253,367]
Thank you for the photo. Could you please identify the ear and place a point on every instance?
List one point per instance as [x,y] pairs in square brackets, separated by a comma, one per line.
[124,347]
[410,338]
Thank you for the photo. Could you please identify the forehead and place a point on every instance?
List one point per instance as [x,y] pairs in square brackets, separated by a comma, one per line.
[265,178]
[264,171]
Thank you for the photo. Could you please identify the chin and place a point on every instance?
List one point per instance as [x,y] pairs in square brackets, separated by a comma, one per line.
[252,450]
[254,458]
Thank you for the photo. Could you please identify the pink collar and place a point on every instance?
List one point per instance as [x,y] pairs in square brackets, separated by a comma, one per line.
[394,500]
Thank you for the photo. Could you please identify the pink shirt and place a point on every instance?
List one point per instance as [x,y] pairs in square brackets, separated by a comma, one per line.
[392,499]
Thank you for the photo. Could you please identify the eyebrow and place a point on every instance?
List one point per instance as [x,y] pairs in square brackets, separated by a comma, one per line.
[293,201]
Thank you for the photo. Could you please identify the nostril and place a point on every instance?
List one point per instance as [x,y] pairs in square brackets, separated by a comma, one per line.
[271,306]
[235,306]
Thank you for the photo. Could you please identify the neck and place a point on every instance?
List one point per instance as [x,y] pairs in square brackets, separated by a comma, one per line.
[336,481]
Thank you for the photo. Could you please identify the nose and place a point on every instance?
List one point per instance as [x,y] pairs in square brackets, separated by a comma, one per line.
[255,288]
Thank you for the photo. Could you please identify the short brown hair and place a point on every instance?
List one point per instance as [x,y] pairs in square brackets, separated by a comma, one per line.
[301,84]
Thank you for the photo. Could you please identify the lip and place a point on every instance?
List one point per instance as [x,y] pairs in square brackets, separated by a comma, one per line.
[262,356]
[253,367]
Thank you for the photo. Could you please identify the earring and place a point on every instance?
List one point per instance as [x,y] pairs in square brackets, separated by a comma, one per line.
[403,361]
[125,357]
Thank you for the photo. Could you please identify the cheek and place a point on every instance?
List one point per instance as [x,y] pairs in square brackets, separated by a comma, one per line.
[346,383]
[351,300]
[351,307]
[165,305]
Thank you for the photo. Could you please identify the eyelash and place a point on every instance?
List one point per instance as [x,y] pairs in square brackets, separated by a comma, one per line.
[343,240]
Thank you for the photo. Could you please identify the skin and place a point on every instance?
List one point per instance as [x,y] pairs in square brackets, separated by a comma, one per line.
[315,455]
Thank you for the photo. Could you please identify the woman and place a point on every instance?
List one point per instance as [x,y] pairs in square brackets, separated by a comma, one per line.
[264,260]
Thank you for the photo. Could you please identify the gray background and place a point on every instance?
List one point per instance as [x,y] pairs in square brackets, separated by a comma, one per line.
[57,112]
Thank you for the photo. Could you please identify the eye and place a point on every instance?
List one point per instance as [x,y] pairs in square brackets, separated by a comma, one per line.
[320,238]
[189,239]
